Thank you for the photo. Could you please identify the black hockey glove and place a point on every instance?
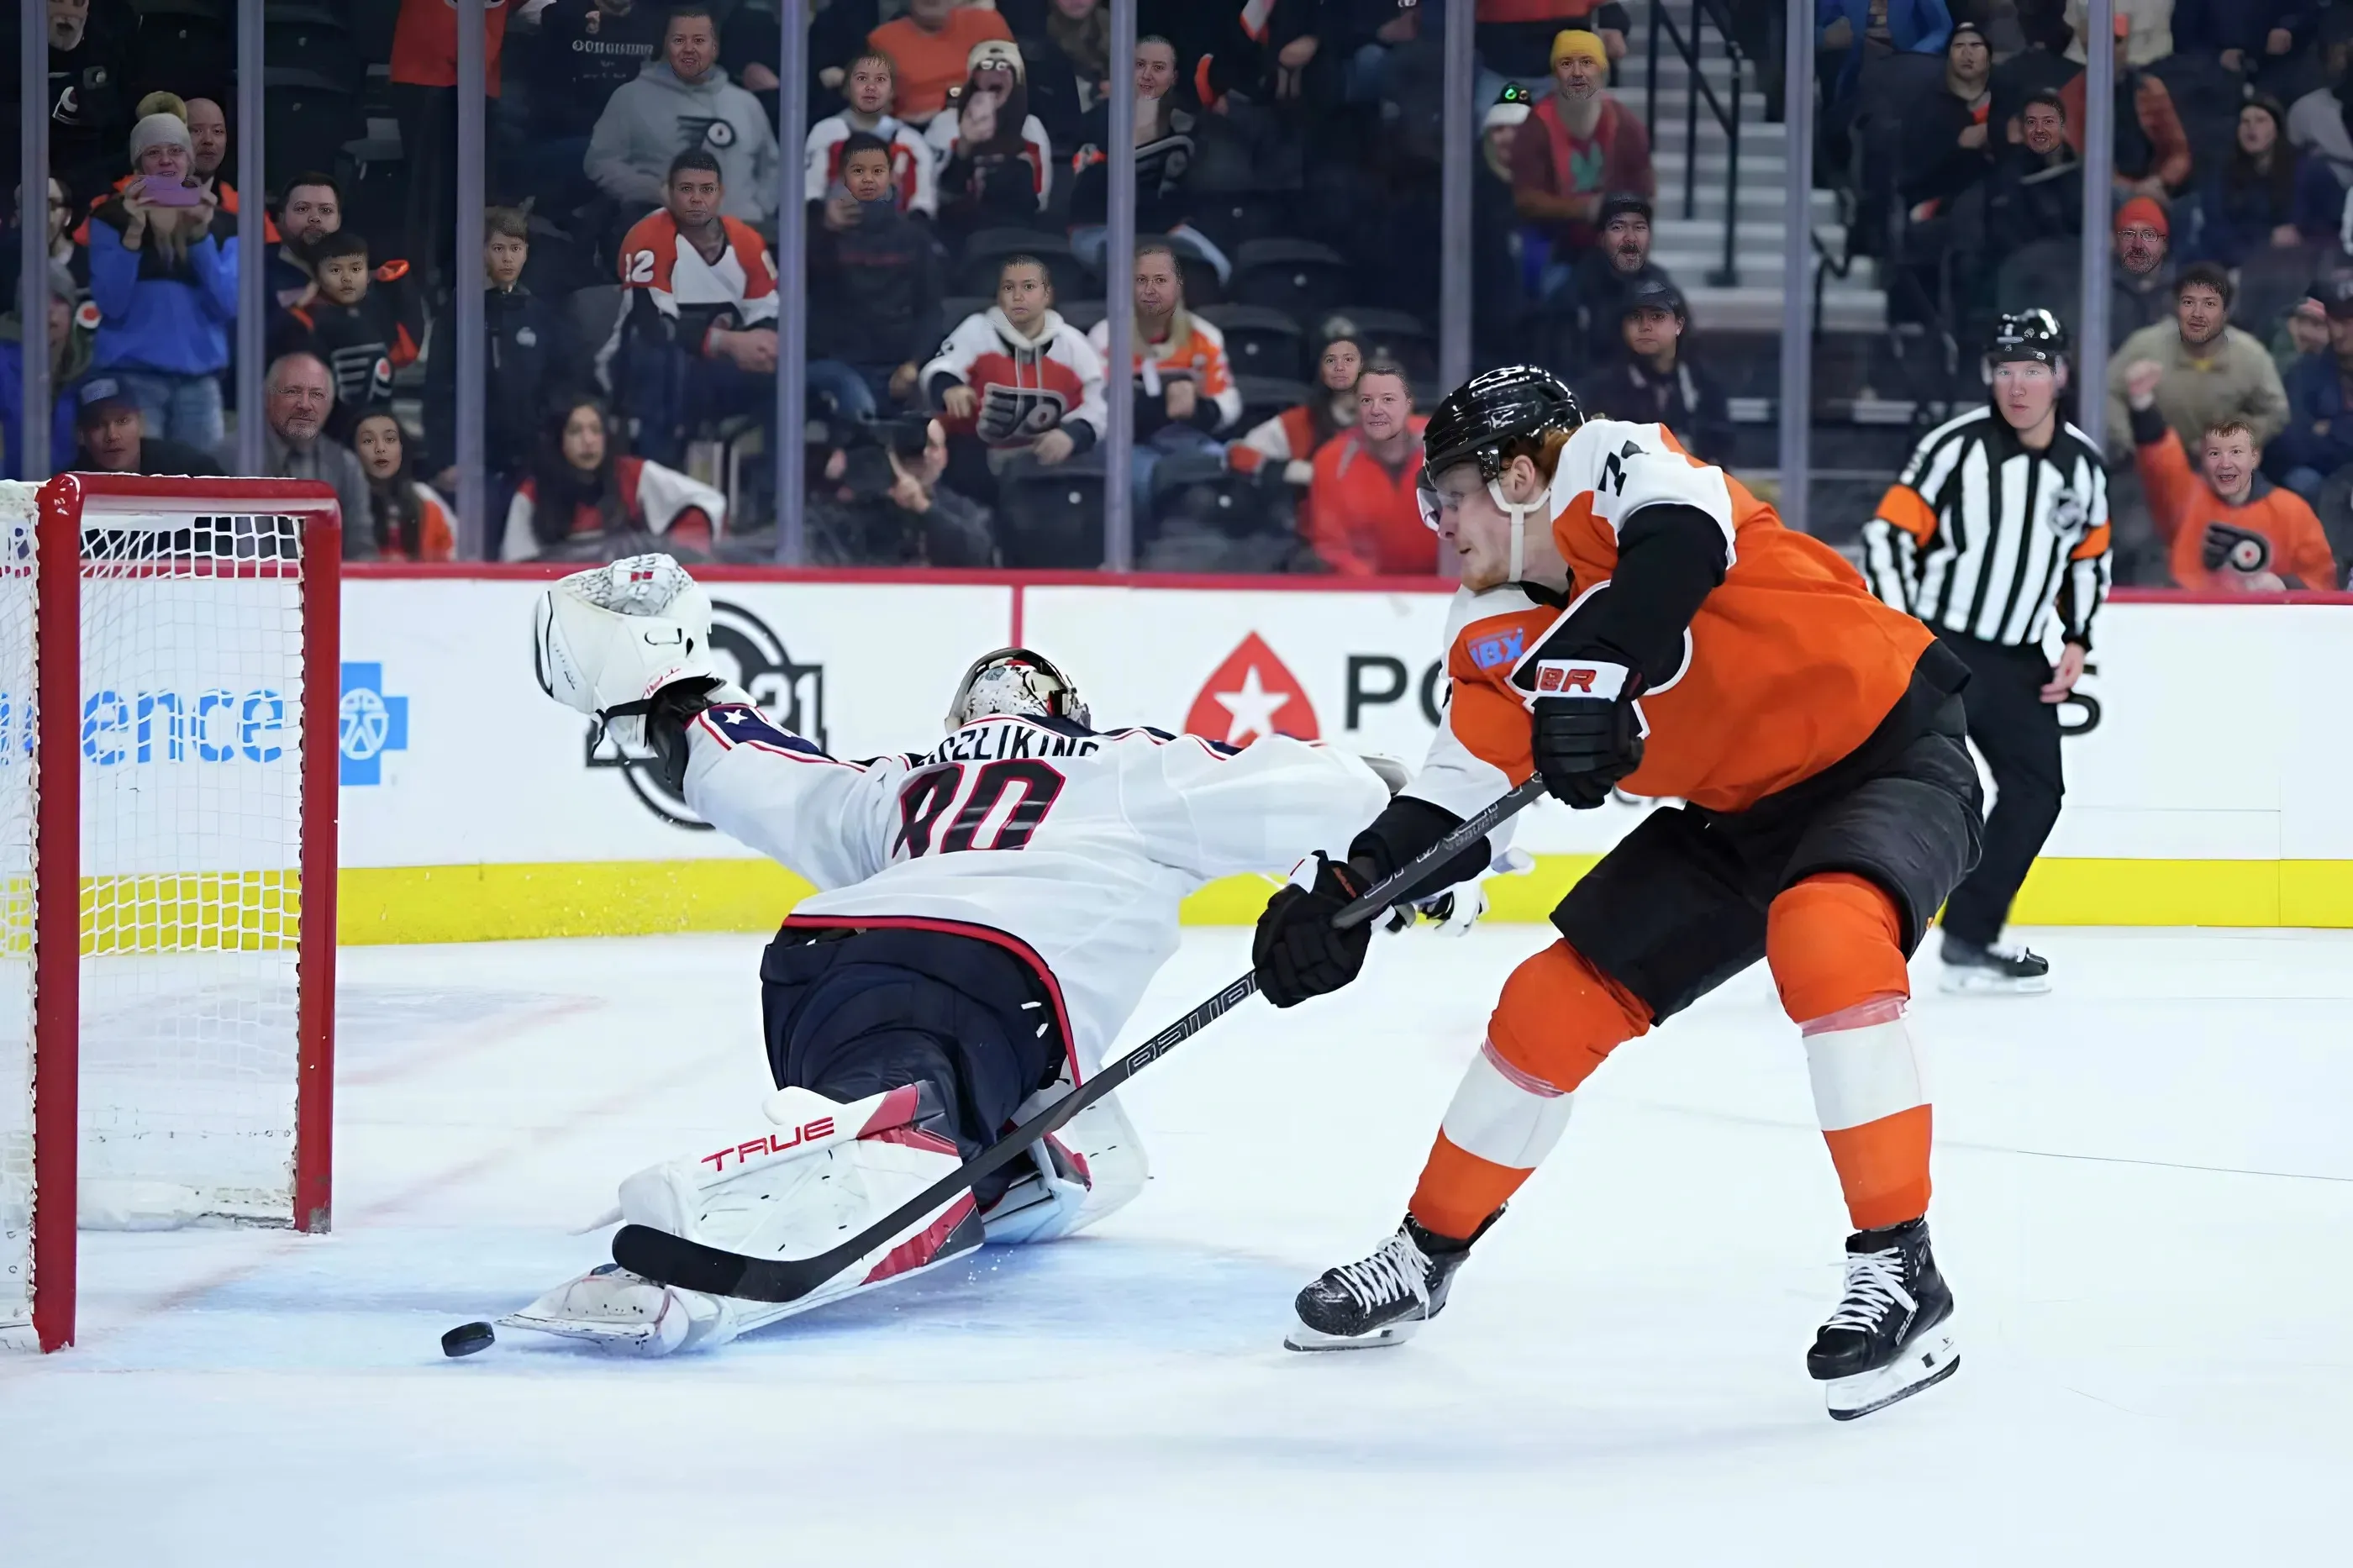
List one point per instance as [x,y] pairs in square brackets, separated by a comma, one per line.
[1296,953]
[667,713]
[1588,733]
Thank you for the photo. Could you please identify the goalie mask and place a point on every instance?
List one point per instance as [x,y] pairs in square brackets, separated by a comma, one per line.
[1016,681]
[1519,404]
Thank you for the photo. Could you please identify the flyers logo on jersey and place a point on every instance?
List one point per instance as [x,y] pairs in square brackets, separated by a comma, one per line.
[1251,693]
[1018,412]
[2228,549]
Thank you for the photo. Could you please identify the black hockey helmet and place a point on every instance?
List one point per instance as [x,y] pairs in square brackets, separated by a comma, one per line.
[1479,418]
[2026,335]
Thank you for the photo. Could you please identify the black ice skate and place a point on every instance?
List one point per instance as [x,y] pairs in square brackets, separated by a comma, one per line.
[1891,1335]
[1383,1299]
[2013,970]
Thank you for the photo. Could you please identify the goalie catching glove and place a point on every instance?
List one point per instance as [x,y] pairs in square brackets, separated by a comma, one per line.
[629,644]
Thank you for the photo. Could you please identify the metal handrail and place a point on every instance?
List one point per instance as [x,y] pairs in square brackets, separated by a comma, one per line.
[1728,275]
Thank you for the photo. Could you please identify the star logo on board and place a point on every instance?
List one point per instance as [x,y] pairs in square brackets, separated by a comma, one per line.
[1252,693]
[368,724]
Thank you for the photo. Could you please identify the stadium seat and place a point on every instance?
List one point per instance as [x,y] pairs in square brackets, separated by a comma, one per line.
[306,120]
[1264,397]
[186,46]
[1050,519]
[314,40]
[954,308]
[1234,218]
[1297,276]
[1390,334]
[593,311]
[1084,314]
[1199,487]
[985,250]
[1259,341]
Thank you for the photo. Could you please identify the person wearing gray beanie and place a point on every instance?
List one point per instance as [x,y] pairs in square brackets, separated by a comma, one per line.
[163,276]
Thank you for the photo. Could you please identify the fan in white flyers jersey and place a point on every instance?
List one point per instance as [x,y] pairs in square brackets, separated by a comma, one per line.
[987,916]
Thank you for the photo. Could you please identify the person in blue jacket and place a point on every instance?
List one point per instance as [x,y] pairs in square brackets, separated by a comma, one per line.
[2318,440]
[1913,27]
[165,284]
[71,322]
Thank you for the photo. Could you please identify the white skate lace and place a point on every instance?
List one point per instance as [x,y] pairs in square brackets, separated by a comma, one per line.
[2009,952]
[1875,1283]
[1395,1271]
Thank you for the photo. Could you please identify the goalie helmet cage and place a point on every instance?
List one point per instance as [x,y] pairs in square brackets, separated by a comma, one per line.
[170,685]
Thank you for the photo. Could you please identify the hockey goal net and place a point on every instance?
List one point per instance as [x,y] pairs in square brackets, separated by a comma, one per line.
[169,683]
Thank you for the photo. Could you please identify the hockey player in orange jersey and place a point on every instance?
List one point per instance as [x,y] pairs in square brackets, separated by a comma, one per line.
[1633,619]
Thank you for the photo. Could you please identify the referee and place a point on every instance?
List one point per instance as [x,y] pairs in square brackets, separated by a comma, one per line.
[1999,519]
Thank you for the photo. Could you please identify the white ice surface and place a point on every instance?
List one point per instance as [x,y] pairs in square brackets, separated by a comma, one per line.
[2145,1204]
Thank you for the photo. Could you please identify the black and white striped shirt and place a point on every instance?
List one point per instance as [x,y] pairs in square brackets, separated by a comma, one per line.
[1981,537]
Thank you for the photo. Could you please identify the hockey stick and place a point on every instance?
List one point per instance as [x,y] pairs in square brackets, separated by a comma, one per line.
[673,1261]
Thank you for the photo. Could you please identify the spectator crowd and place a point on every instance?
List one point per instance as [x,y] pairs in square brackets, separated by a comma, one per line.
[1960,142]
[955,178]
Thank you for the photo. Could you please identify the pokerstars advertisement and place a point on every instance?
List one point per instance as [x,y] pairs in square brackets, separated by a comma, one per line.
[452,755]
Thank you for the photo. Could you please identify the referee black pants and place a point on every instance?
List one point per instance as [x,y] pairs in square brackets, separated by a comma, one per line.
[2018,734]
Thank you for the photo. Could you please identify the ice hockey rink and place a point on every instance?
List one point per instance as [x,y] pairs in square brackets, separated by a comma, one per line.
[2145,1204]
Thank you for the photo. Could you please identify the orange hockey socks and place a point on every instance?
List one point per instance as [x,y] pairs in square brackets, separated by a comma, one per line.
[1557,1020]
[1836,950]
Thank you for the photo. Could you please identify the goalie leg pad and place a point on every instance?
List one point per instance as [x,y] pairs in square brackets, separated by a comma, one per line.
[825,1169]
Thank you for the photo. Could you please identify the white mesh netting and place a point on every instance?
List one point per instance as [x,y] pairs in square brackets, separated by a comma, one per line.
[191,685]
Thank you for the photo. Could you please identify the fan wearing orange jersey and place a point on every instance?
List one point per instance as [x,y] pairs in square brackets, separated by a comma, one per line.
[1632,619]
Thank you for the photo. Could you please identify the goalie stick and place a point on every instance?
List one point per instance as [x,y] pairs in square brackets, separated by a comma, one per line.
[669,1259]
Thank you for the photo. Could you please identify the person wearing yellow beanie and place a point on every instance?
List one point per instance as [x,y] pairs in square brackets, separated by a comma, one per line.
[1576,41]
[1578,148]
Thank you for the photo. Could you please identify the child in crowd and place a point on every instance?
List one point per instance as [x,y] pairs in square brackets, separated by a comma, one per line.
[350,327]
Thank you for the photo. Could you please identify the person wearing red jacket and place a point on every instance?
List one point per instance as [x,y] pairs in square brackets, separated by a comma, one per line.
[2229,529]
[1363,517]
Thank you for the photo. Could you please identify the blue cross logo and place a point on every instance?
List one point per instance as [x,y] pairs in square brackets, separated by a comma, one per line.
[370,724]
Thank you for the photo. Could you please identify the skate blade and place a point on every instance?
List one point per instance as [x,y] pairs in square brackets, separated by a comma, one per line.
[1925,1362]
[1960,982]
[1302,1338]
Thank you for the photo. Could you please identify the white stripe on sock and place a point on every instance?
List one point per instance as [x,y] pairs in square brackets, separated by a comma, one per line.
[1861,1075]
[1503,1115]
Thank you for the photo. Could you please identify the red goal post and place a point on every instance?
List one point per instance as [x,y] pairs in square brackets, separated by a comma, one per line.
[169,688]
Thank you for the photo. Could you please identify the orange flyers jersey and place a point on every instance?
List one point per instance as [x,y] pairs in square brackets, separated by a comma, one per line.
[1790,664]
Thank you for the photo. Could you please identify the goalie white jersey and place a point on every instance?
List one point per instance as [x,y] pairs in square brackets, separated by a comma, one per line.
[1073,847]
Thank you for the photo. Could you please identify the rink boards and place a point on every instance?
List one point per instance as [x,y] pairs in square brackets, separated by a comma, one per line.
[2207,761]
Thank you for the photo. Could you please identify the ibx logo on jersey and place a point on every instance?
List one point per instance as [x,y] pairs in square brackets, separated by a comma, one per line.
[1252,693]
[752,656]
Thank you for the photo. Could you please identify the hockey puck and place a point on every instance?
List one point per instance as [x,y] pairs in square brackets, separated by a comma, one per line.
[468,1338]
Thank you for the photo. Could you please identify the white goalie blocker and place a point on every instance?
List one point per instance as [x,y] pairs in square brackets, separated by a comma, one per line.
[169,686]
[605,641]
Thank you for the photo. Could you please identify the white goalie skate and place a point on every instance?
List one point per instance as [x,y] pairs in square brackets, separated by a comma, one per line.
[831,1170]
[1093,1165]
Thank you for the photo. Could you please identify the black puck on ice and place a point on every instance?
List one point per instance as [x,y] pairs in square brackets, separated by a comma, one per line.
[468,1338]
